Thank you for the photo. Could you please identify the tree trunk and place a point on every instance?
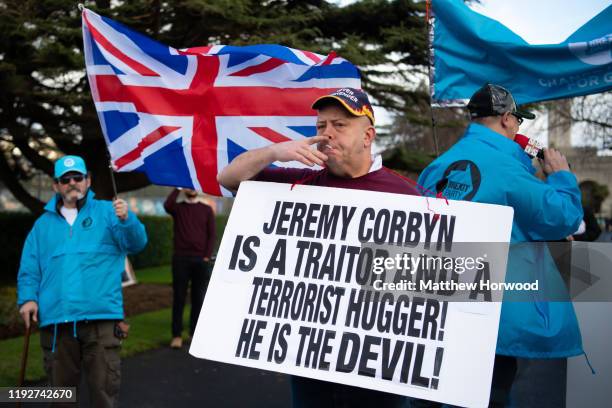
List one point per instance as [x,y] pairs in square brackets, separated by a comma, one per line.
[14,185]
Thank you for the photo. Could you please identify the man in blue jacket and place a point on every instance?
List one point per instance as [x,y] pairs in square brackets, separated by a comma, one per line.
[70,281]
[486,165]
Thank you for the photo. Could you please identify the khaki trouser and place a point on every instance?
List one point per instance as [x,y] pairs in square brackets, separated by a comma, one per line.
[95,349]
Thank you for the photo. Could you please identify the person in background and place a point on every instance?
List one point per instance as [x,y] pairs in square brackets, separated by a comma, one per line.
[589,229]
[194,239]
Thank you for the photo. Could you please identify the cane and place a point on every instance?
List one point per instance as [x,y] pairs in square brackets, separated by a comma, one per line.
[24,356]
[24,360]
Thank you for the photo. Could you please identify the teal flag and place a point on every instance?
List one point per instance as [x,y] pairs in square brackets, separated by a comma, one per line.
[470,49]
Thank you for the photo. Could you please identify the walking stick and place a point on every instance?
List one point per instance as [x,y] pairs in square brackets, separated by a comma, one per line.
[24,360]
[24,356]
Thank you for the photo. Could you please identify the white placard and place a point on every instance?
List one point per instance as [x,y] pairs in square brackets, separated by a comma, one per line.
[284,293]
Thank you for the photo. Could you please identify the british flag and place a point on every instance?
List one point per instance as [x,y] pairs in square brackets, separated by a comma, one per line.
[181,115]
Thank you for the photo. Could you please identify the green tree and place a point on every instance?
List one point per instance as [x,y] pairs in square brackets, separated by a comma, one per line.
[593,194]
[46,109]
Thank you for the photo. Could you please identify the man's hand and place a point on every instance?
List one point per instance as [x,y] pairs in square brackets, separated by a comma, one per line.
[29,312]
[248,164]
[122,329]
[121,209]
[300,150]
[553,161]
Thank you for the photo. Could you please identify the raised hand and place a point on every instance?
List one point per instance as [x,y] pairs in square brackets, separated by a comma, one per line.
[553,161]
[300,150]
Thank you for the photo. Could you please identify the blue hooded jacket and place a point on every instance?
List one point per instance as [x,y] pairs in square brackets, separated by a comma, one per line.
[74,272]
[487,167]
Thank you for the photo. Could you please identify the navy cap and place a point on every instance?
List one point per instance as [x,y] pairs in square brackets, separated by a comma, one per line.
[494,100]
[355,101]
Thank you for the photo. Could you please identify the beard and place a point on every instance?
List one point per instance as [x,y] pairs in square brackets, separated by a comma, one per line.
[70,197]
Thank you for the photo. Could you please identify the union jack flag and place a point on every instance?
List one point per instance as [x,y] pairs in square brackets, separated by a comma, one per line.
[181,115]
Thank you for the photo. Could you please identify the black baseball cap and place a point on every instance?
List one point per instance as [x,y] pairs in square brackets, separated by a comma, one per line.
[494,100]
[355,101]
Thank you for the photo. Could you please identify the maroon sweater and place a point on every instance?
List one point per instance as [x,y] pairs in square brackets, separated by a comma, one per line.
[379,180]
[194,227]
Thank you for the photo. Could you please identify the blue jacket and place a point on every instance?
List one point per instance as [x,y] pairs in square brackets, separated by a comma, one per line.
[74,272]
[487,167]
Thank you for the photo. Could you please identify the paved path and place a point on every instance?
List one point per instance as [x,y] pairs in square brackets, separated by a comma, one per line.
[166,377]
[174,378]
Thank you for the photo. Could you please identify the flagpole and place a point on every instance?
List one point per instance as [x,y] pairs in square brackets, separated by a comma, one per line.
[112,175]
[429,62]
[81,8]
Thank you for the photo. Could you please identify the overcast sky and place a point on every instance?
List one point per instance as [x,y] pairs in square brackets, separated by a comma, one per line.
[542,21]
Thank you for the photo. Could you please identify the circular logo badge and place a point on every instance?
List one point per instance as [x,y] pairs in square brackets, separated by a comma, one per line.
[461,181]
[87,222]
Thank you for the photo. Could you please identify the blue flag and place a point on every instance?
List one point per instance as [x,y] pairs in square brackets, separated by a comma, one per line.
[470,49]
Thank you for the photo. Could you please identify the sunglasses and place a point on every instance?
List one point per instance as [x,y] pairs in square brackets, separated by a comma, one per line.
[518,118]
[66,179]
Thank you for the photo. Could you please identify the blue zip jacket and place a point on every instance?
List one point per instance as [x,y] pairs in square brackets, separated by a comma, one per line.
[74,272]
[487,167]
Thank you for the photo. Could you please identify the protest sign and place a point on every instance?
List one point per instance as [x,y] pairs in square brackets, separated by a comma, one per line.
[295,289]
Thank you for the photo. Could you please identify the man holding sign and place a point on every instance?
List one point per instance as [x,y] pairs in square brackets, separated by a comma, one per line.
[345,133]
[296,290]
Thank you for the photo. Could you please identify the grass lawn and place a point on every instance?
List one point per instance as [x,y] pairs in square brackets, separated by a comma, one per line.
[148,331]
[156,274]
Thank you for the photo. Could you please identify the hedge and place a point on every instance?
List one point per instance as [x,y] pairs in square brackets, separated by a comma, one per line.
[159,248]
[15,228]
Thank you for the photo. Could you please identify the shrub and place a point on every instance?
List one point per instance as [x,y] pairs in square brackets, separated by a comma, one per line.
[159,248]
[15,228]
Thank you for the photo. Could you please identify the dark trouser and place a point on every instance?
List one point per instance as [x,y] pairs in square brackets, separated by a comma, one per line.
[95,348]
[184,269]
[504,372]
[307,393]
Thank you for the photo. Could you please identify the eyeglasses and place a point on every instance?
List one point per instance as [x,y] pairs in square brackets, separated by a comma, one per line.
[66,179]
[518,118]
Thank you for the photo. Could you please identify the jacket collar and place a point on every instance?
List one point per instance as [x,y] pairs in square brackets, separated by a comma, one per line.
[499,142]
[56,202]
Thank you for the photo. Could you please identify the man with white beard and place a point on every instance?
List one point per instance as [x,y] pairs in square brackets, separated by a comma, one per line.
[69,282]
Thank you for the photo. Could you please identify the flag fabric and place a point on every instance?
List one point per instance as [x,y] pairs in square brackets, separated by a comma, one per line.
[470,49]
[181,115]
